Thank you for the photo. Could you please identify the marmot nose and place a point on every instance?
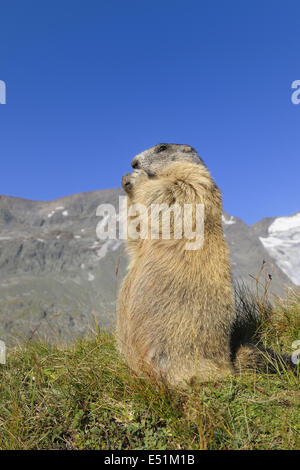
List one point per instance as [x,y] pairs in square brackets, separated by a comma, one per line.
[135,164]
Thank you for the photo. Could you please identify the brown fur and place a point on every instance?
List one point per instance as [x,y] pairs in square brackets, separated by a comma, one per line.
[176,312]
[176,306]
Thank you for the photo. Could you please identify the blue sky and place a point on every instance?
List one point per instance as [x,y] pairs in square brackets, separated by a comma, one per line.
[92,83]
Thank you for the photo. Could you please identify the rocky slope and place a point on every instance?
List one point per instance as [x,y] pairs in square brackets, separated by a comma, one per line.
[57,279]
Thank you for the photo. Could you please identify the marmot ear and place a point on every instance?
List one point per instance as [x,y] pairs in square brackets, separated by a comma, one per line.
[161,148]
[187,149]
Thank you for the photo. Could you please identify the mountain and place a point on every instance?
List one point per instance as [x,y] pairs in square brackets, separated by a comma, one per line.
[248,253]
[281,239]
[57,278]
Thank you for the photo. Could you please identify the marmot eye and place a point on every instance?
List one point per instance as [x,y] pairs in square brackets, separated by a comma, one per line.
[161,148]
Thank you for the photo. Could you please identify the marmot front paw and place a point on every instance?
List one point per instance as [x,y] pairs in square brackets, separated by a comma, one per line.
[127,182]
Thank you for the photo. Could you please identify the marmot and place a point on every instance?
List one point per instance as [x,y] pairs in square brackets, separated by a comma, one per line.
[176,306]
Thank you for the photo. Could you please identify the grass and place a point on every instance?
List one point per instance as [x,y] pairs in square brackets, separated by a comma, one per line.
[83,397]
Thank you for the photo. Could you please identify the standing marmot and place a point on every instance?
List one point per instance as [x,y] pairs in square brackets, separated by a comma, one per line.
[176,306]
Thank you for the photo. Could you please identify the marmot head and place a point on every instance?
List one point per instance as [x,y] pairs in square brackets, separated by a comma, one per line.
[155,159]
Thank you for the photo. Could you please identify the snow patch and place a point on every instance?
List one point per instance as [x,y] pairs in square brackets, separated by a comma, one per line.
[65,213]
[109,245]
[228,221]
[283,245]
[91,277]
[59,208]
[285,223]
[95,245]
